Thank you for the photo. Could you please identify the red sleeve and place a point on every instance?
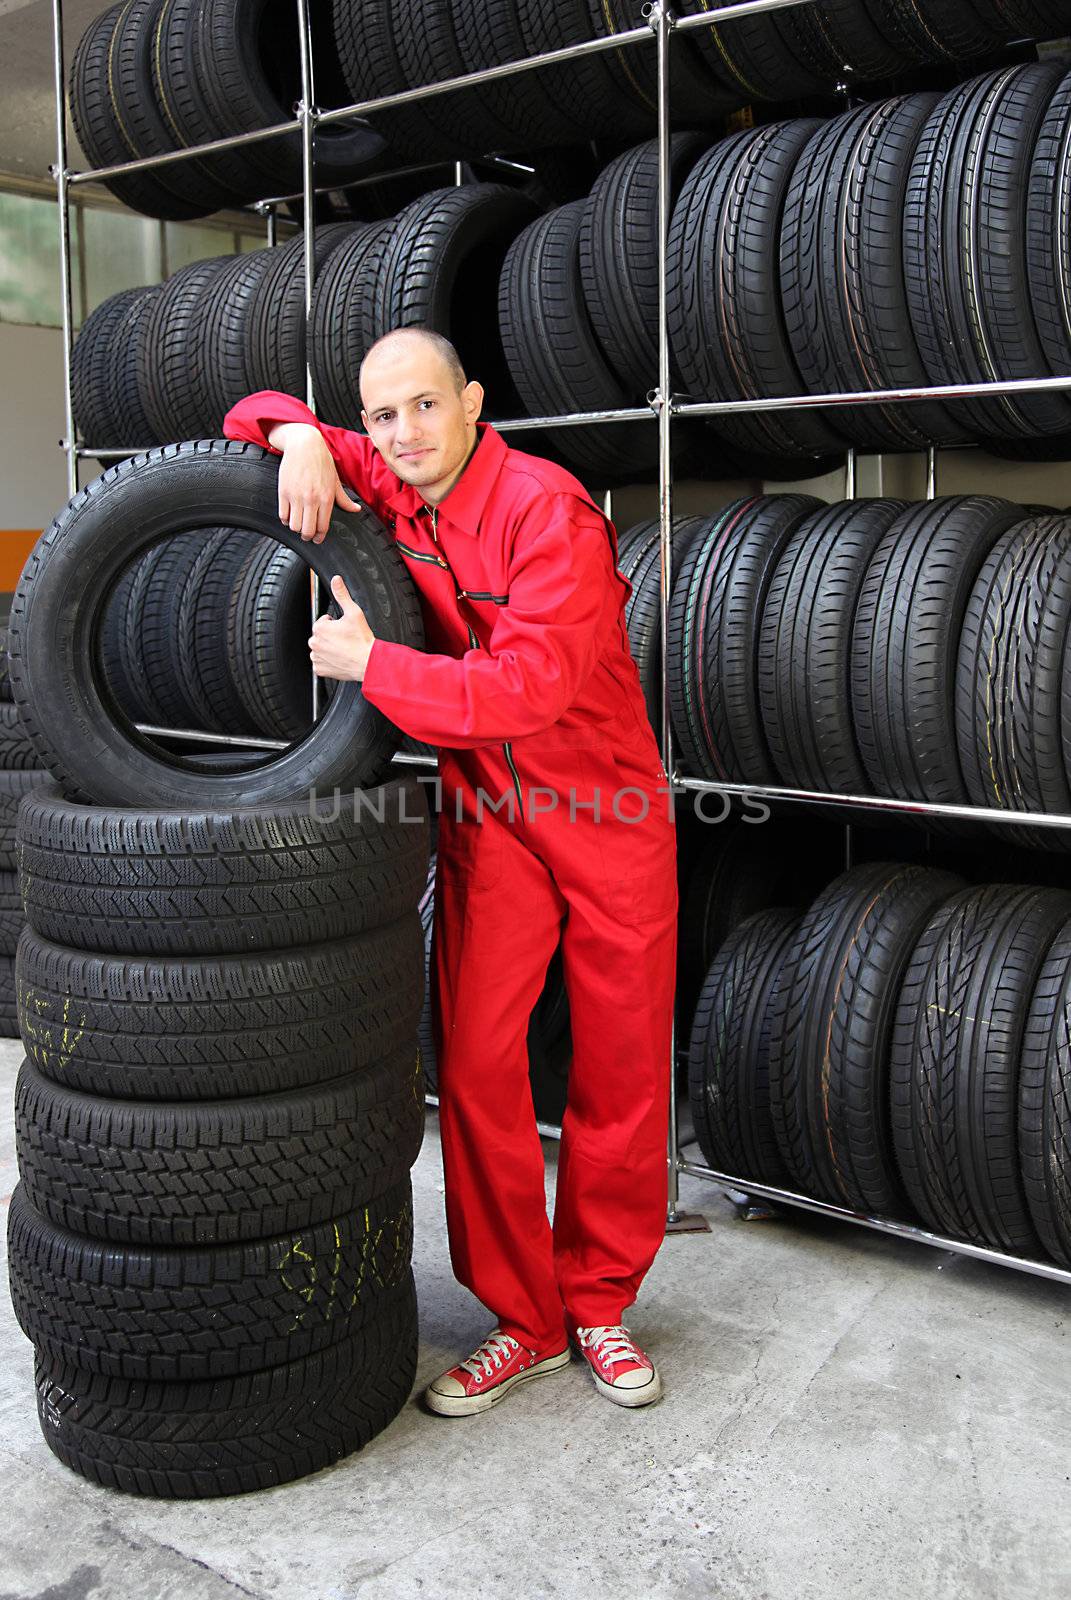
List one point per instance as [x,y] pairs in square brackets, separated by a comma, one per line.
[545,642]
[359,463]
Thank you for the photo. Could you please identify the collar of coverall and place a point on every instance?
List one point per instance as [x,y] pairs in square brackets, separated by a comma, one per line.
[465,502]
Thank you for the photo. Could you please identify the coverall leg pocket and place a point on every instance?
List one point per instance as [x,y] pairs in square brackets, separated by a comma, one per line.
[638,844]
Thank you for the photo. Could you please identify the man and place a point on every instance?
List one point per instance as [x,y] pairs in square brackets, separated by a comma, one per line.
[555,824]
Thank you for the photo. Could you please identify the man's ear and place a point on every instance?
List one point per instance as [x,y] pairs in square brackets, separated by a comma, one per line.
[472,399]
[364,420]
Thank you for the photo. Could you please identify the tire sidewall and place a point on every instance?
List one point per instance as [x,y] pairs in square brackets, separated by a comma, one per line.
[59,606]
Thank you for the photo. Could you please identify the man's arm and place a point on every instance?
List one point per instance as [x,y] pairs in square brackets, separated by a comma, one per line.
[545,642]
[317,458]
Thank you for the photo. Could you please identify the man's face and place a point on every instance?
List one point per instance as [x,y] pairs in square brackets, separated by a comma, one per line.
[421,425]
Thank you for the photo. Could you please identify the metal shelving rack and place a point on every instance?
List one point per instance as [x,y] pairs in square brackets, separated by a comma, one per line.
[662,406]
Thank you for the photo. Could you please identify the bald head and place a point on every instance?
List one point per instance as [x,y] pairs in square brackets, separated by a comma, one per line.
[418,408]
[402,342]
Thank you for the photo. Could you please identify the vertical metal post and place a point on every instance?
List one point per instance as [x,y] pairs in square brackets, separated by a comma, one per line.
[851,490]
[272,218]
[850,475]
[931,472]
[459,176]
[59,172]
[307,114]
[661,22]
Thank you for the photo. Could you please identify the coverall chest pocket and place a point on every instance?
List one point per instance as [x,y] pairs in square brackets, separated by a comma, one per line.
[469,855]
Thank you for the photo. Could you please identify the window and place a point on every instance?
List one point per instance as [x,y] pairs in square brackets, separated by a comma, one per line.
[111,249]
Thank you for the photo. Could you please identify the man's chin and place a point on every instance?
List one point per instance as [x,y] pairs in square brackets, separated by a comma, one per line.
[417,472]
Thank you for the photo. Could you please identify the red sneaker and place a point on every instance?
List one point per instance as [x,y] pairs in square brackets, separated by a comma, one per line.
[621,1370]
[488,1375]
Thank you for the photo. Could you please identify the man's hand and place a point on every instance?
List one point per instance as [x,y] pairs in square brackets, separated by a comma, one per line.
[309,485]
[340,646]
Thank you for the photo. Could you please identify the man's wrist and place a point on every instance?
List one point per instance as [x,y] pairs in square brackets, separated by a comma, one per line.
[371,658]
[285,435]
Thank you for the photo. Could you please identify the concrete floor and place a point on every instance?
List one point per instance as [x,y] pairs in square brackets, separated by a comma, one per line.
[845,1416]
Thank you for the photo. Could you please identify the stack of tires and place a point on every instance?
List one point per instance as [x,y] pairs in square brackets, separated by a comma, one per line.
[436,265]
[210,1245]
[639,559]
[743,865]
[150,76]
[388,46]
[828,257]
[167,362]
[578,317]
[803,256]
[899,1048]
[813,49]
[20,772]
[219,998]
[872,647]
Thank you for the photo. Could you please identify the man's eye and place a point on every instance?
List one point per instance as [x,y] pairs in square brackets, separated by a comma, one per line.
[427,402]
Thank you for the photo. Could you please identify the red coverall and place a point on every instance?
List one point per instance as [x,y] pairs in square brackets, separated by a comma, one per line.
[529,691]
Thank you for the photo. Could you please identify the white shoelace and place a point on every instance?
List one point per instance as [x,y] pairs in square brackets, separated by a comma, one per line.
[609,1344]
[495,1348]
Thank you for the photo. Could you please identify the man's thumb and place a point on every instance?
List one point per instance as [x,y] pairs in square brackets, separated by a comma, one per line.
[342,594]
[342,499]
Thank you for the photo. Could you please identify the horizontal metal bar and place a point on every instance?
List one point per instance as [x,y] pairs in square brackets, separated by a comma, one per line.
[711,408]
[683,407]
[505,161]
[572,419]
[870,802]
[109,451]
[247,742]
[233,141]
[900,1230]
[357,183]
[546,1130]
[505,425]
[473,80]
[726,13]
[256,743]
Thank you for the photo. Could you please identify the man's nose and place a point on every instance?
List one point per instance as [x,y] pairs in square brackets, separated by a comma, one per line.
[408,430]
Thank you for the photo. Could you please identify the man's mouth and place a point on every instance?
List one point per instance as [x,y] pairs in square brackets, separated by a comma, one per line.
[411,455]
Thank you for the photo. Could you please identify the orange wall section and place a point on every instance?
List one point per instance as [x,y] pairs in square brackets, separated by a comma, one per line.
[15,546]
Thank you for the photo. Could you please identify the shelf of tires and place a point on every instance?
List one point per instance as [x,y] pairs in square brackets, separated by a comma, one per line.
[809,255]
[845,227]
[898,1048]
[153,76]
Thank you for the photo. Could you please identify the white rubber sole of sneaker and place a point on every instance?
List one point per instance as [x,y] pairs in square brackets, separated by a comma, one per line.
[449,1405]
[646,1395]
